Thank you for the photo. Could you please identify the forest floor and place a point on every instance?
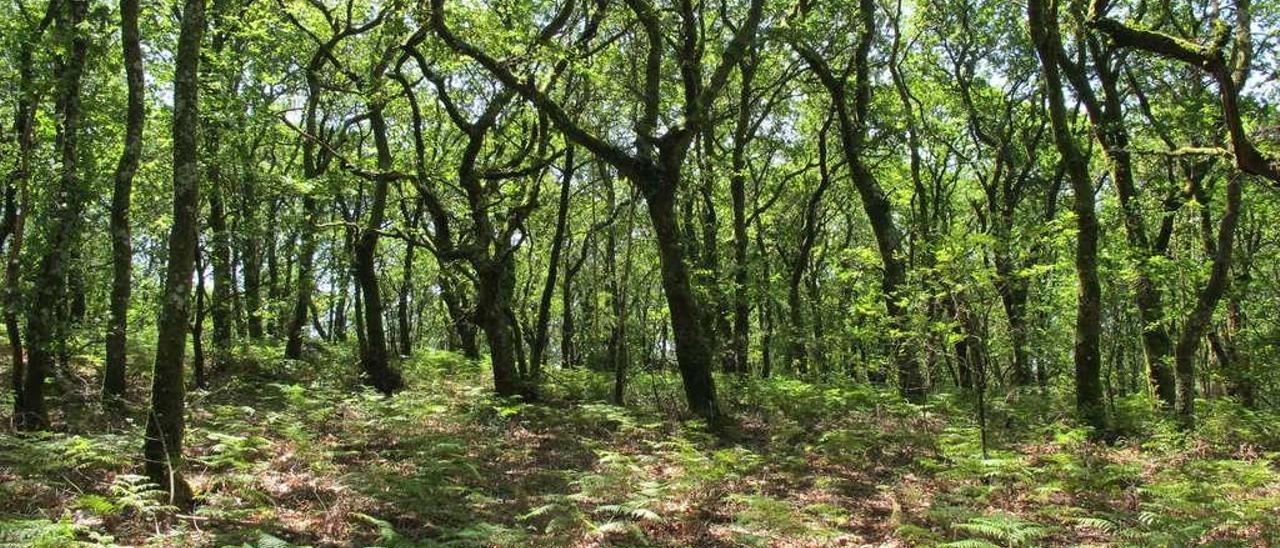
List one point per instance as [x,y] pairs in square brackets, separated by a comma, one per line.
[288,453]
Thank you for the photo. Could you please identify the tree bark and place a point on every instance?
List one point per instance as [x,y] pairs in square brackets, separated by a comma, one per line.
[45,330]
[620,347]
[1043,20]
[491,315]
[162,449]
[375,368]
[15,217]
[305,280]
[402,305]
[693,353]
[1197,323]
[568,322]
[737,190]
[540,336]
[461,317]
[113,378]
[252,260]
[17,201]
[197,323]
[220,308]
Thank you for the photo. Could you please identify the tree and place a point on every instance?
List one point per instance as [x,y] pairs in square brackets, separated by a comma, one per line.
[852,122]
[113,381]
[1042,18]
[17,197]
[45,328]
[656,166]
[162,448]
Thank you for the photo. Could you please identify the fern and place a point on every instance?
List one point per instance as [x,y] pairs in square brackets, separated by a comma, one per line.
[968,543]
[266,540]
[388,537]
[1099,524]
[131,492]
[39,533]
[1005,529]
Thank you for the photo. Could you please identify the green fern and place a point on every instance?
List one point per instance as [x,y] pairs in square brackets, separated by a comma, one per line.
[1005,529]
[969,543]
[388,537]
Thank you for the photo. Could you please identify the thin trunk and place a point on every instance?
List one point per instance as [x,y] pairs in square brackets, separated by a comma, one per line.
[1237,364]
[252,260]
[568,325]
[15,217]
[339,329]
[273,265]
[1198,321]
[795,332]
[461,318]
[1043,20]
[197,324]
[220,307]
[16,203]
[738,193]
[621,347]
[375,367]
[359,320]
[113,378]
[305,280]
[766,306]
[162,449]
[553,268]
[402,307]
[45,331]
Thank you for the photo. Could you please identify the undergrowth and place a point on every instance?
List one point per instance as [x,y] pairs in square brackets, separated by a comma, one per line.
[292,454]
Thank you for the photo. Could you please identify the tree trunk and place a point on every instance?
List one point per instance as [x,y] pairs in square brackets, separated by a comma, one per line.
[16,203]
[693,353]
[620,348]
[540,336]
[273,265]
[44,330]
[252,263]
[461,318]
[491,314]
[1043,21]
[1013,296]
[738,194]
[162,449]
[568,326]
[305,280]
[402,306]
[339,327]
[1193,330]
[197,324]
[766,307]
[1238,365]
[15,217]
[113,378]
[375,368]
[220,256]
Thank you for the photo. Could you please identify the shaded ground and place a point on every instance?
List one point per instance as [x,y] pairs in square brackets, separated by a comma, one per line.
[286,453]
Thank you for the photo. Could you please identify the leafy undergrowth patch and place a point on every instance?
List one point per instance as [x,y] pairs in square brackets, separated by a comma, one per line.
[288,454]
